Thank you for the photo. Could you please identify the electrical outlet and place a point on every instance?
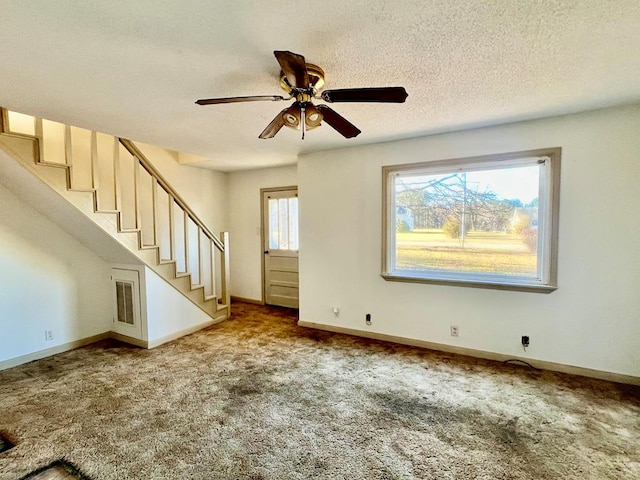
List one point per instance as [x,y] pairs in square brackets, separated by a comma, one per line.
[48,335]
[525,341]
[455,330]
[336,312]
[367,318]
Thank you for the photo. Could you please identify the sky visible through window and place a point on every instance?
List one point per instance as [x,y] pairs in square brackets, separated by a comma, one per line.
[519,183]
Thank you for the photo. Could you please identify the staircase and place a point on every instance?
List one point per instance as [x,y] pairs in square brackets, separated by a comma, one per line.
[114,185]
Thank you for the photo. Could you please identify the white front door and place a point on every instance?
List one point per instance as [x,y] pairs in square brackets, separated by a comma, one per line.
[280,234]
[126,301]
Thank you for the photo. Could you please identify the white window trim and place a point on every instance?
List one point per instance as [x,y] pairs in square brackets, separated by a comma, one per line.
[547,241]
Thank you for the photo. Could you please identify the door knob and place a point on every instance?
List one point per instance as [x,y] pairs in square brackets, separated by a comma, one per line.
[266,252]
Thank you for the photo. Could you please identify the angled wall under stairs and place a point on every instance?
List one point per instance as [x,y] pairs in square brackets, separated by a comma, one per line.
[120,192]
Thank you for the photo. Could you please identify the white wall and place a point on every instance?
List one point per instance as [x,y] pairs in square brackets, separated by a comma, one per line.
[591,321]
[205,191]
[168,312]
[244,225]
[48,281]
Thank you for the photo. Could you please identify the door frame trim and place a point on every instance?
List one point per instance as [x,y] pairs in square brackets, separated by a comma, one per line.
[262,233]
[139,289]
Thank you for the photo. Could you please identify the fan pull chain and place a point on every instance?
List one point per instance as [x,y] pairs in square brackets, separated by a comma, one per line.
[302,119]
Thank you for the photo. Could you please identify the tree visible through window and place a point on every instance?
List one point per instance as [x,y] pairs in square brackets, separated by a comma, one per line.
[483,221]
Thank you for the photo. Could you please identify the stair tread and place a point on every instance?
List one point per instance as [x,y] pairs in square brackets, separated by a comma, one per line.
[82,190]
[52,164]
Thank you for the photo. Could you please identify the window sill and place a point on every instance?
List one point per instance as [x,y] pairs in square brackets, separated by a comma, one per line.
[518,287]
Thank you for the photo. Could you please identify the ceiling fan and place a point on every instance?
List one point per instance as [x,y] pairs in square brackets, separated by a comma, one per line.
[302,81]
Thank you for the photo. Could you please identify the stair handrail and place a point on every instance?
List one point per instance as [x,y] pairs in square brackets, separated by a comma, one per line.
[146,164]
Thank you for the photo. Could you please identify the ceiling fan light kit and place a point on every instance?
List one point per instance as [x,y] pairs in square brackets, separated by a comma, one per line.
[302,81]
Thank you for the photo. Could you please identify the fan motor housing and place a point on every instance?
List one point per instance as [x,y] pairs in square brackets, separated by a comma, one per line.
[316,79]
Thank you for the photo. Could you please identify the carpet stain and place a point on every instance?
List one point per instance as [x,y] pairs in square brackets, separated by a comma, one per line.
[451,423]
[248,383]
[5,443]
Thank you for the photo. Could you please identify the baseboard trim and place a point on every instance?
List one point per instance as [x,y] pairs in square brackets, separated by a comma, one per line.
[545,365]
[246,300]
[174,336]
[30,357]
[471,352]
[130,340]
[65,347]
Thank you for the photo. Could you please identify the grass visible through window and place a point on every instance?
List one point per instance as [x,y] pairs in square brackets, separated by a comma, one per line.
[486,252]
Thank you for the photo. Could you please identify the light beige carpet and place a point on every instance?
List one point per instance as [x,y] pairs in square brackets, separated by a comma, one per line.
[260,398]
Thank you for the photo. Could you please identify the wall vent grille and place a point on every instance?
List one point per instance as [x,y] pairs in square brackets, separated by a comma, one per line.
[124,298]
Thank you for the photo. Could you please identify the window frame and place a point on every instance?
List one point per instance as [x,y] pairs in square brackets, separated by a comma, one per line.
[548,213]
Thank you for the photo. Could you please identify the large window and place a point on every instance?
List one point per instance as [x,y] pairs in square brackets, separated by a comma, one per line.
[485,221]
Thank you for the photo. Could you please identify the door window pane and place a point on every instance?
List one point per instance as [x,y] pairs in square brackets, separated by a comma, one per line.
[283,223]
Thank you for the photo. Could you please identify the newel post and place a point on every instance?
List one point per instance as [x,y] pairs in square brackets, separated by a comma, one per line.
[226,293]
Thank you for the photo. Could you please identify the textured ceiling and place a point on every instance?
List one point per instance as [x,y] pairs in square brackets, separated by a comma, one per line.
[135,68]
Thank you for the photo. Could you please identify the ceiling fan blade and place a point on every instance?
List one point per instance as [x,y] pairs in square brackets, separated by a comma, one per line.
[373,94]
[294,67]
[253,98]
[338,122]
[274,127]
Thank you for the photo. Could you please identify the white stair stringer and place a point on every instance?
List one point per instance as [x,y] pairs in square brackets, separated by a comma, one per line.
[26,150]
